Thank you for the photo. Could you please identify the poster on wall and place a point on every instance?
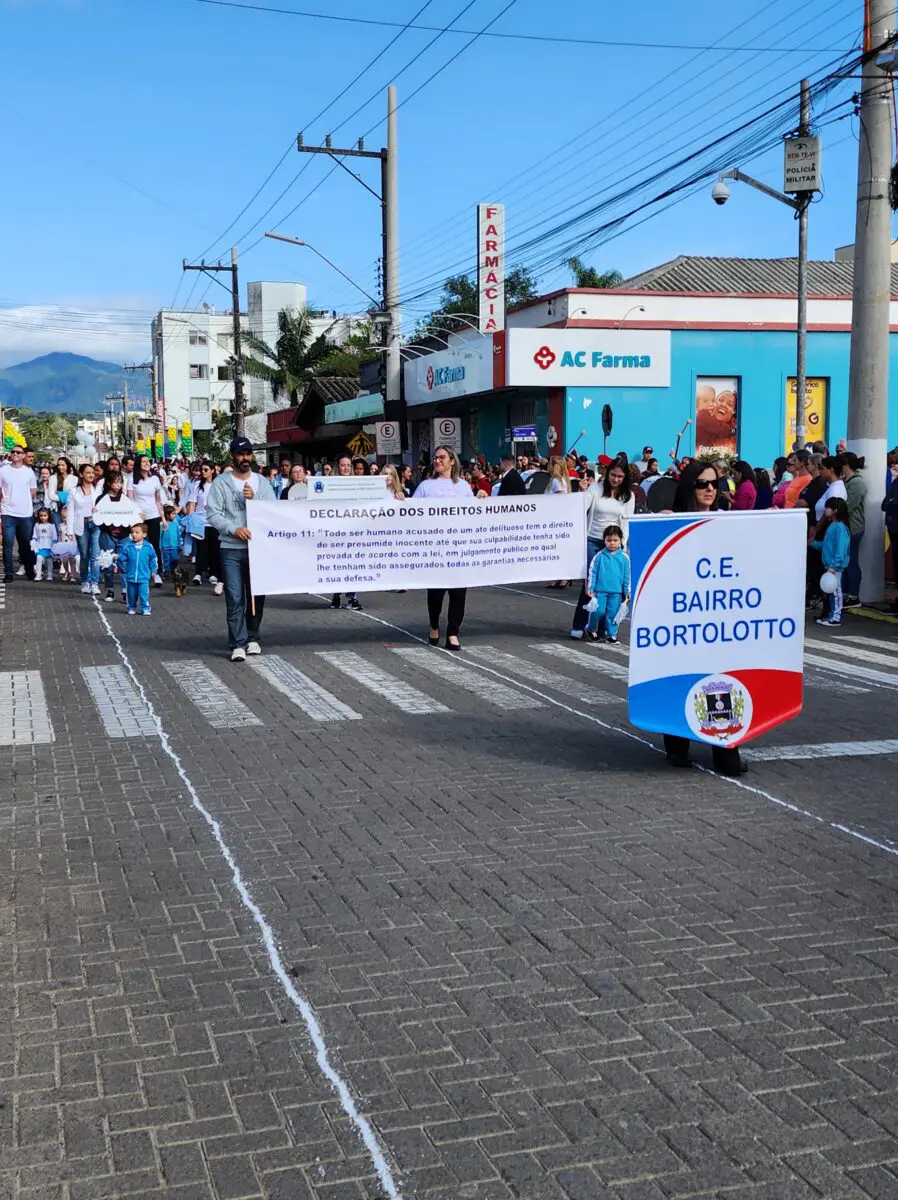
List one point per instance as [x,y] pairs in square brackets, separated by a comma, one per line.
[814,411]
[716,414]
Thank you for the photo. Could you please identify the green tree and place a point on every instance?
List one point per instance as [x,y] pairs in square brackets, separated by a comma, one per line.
[344,360]
[589,277]
[459,295]
[294,359]
[42,431]
[213,443]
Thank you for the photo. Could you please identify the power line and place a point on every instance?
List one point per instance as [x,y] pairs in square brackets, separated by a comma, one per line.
[522,37]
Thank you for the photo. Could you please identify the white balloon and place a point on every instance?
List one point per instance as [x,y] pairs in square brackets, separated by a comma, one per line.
[828,583]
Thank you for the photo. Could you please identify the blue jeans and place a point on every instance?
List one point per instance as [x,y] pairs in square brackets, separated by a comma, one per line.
[108,542]
[171,556]
[138,596]
[852,577]
[89,548]
[18,529]
[607,605]
[243,624]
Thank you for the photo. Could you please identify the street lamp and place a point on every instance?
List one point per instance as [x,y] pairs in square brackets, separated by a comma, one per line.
[281,237]
[635,308]
[799,204]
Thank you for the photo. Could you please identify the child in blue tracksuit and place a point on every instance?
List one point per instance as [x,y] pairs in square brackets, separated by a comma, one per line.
[137,564]
[834,550]
[609,582]
[172,539]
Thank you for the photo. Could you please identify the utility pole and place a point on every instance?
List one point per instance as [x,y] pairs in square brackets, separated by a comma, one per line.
[803,202]
[389,201]
[125,417]
[239,398]
[868,380]
[112,399]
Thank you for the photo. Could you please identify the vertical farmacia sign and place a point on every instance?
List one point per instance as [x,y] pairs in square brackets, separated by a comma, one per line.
[491,267]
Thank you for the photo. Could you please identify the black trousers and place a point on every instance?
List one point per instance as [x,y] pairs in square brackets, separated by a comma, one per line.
[154,529]
[725,760]
[456,614]
[208,558]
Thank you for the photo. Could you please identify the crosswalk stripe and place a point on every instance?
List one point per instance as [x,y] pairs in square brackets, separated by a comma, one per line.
[221,707]
[2,596]
[302,691]
[487,689]
[823,750]
[860,654]
[873,643]
[539,674]
[395,691]
[857,671]
[24,716]
[118,703]
[814,677]
[583,658]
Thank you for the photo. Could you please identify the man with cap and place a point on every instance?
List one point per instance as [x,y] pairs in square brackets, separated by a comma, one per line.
[647,454]
[226,512]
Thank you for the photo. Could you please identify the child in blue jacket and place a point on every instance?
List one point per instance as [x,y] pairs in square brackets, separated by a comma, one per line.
[137,564]
[609,582]
[172,539]
[834,550]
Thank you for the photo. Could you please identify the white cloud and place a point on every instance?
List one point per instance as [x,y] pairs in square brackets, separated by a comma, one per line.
[116,329]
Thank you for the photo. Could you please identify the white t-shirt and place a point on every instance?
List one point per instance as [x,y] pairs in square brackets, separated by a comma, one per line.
[252,480]
[836,488]
[443,487]
[15,487]
[146,492]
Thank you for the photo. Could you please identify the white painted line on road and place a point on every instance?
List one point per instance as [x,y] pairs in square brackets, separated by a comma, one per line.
[824,750]
[814,677]
[123,713]
[390,688]
[2,596]
[873,643]
[24,716]
[855,671]
[316,1036]
[635,737]
[473,683]
[860,654]
[589,659]
[586,693]
[302,690]
[221,707]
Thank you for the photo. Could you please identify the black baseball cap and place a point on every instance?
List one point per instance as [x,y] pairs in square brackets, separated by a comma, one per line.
[241,445]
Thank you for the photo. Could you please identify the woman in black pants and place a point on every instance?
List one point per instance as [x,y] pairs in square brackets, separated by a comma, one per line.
[697,492]
[147,493]
[446,482]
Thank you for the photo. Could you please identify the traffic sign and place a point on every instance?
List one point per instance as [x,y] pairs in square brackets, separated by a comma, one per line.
[447,432]
[802,164]
[389,437]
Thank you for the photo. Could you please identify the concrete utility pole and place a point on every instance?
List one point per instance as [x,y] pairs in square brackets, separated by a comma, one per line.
[389,199]
[239,398]
[125,417]
[803,203]
[868,382]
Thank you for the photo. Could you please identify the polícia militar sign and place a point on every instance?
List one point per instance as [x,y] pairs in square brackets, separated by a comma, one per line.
[717,633]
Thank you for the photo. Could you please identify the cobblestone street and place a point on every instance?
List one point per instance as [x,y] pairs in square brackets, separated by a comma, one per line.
[537,963]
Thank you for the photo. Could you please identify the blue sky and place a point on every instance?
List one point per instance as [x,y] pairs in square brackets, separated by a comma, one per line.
[136,130]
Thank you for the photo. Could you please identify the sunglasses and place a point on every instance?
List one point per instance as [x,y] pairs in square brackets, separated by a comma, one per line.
[705,483]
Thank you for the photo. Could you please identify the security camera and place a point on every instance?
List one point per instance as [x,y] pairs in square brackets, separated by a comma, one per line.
[720,193]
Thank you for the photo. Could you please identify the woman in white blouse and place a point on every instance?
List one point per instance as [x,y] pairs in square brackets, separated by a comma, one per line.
[611,502]
[148,494]
[80,527]
[448,484]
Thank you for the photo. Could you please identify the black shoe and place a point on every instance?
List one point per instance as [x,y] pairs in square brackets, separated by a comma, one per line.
[354,605]
[742,769]
[9,578]
[456,649]
[433,641]
[612,641]
[851,602]
[592,636]
[335,601]
[679,760]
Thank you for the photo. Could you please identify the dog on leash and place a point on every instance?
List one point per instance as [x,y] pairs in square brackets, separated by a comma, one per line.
[179,579]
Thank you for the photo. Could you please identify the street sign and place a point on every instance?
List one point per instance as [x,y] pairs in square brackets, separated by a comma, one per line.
[389,438]
[802,164]
[524,433]
[607,420]
[447,432]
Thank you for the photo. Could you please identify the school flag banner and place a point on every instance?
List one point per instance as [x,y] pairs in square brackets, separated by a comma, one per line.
[339,546]
[717,623]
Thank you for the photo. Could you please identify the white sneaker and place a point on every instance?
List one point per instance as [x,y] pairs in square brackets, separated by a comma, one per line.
[21,571]
[219,589]
[197,579]
[253,648]
[238,654]
[157,580]
[212,579]
[95,589]
[85,589]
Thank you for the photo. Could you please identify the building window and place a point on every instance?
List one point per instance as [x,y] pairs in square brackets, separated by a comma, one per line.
[224,340]
[200,404]
[199,371]
[195,338]
[224,374]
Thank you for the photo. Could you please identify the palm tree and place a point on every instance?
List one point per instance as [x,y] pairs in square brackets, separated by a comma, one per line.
[589,277]
[291,364]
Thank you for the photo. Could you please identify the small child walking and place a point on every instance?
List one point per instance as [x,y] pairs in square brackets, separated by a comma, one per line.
[43,539]
[137,564]
[834,550]
[172,539]
[608,583]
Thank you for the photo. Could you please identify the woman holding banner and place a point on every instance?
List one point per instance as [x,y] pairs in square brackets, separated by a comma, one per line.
[446,483]
[697,492]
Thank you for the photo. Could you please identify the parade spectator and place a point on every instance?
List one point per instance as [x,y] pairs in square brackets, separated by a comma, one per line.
[831,473]
[746,492]
[856,495]
[763,489]
[835,552]
[511,481]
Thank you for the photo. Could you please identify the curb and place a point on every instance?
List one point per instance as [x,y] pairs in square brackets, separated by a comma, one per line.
[871,614]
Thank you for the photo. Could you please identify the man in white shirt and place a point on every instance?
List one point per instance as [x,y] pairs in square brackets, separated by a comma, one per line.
[18,488]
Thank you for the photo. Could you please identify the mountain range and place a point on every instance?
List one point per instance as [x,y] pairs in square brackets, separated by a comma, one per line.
[69,383]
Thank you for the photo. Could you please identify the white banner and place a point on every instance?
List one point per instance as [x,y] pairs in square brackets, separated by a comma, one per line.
[338,546]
